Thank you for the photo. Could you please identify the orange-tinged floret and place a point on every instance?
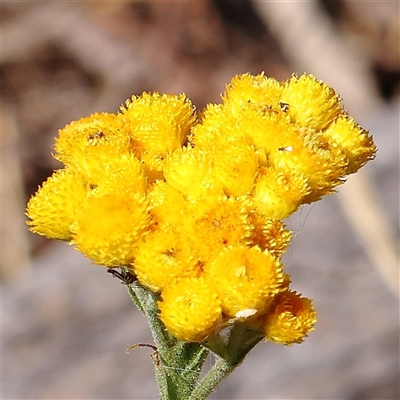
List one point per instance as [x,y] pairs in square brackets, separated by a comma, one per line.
[290,319]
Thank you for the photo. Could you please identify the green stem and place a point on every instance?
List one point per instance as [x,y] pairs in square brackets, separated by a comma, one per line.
[148,305]
[177,364]
[214,376]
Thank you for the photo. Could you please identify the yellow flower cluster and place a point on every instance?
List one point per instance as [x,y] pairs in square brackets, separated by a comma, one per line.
[193,203]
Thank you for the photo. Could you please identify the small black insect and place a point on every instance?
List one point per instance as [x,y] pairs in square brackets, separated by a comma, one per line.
[287,148]
[126,277]
[284,106]
[96,136]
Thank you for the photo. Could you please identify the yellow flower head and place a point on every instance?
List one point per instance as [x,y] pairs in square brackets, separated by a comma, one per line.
[269,234]
[245,278]
[163,257]
[235,167]
[90,142]
[190,309]
[109,226]
[167,204]
[279,192]
[207,133]
[53,209]
[216,223]
[262,127]
[122,173]
[194,203]
[290,319]
[267,128]
[321,162]
[246,88]
[189,171]
[160,123]
[310,102]
[356,142]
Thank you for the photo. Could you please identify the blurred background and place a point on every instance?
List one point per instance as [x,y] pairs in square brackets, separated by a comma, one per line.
[66,323]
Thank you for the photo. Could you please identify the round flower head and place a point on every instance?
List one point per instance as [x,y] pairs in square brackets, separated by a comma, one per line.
[162,257]
[190,309]
[160,123]
[269,234]
[53,209]
[256,126]
[266,128]
[109,226]
[167,204]
[215,223]
[122,173]
[245,278]
[247,88]
[356,142]
[88,143]
[279,192]
[310,102]
[189,171]
[322,163]
[290,319]
[207,132]
[235,167]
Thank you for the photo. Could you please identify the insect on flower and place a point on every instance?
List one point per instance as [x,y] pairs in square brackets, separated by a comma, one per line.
[287,148]
[284,106]
[126,277]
